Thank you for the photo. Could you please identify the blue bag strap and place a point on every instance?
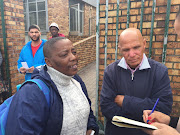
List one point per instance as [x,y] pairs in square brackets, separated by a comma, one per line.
[42,86]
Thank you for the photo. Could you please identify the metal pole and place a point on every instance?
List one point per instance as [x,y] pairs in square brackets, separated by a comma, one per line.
[106,32]
[166,31]
[117,22]
[152,28]
[142,14]
[97,58]
[5,47]
[128,10]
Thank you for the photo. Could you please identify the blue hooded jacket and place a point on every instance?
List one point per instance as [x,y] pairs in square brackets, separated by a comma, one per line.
[29,112]
[27,56]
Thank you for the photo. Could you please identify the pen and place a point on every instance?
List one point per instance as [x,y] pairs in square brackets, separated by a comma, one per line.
[153,108]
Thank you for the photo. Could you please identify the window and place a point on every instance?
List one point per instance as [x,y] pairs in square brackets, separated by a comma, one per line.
[35,12]
[76,19]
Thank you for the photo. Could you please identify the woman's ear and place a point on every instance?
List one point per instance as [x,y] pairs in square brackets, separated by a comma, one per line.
[48,62]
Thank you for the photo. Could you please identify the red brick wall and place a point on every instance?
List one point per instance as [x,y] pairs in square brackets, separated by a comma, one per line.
[15,33]
[173,46]
[86,50]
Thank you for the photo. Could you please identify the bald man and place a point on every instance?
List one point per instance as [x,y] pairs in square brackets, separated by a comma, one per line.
[133,84]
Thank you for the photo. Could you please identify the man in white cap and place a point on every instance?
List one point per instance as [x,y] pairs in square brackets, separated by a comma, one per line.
[54,29]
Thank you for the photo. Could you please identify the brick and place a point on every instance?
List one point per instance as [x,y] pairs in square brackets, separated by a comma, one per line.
[102,14]
[133,18]
[110,6]
[173,45]
[163,9]
[169,65]
[170,52]
[102,20]
[159,31]
[102,7]
[147,10]
[175,2]
[135,4]
[161,2]
[158,51]
[171,37]
[159,37]
[133,25]
[173,58]
[148,24]
[174,8]
[173,72]
[176,79]
[124,12]
[112,13]
[110,32]
[176,66]
[123,5]
[123,25]
[177,52]
[160,17]
[172,16]
[123,19]
[110,20]
[134,11]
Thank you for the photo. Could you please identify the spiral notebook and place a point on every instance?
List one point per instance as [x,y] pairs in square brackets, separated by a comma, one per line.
[129,123]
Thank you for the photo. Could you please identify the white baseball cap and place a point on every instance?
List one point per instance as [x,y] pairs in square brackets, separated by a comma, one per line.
[54,25]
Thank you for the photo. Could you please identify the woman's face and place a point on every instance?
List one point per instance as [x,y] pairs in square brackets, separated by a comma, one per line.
[63,57]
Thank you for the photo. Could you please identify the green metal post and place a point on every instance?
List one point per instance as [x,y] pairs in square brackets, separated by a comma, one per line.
[105,45]
[117,23]
[5,46]
[142,14]
[166,31]
[152,28]
[97,58]
[128,10]
[106,31]
[97,68]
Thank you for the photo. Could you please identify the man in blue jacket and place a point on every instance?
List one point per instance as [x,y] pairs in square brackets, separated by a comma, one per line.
[31,53]
[133,84]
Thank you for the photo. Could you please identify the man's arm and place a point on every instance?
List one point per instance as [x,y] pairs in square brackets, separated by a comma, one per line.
[108,93]
[162,90]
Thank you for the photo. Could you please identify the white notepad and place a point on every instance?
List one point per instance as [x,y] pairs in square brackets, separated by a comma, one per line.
[25,65]
[128,123]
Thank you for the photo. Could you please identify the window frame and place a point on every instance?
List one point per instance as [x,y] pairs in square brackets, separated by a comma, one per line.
[27,14]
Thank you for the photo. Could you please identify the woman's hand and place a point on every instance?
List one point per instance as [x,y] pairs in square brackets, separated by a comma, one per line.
[88,132]
[163,129]
[155,117]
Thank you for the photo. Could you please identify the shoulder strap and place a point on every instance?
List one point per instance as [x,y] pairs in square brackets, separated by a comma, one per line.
[42,86]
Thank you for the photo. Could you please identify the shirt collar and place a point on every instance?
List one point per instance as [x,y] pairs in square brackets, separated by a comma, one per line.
[144,64]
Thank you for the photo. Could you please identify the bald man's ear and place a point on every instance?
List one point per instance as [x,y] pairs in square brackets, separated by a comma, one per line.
[144,43]
[48,62]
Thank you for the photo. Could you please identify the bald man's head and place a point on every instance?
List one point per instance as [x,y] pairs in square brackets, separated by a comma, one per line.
[132,46]
[129,34]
